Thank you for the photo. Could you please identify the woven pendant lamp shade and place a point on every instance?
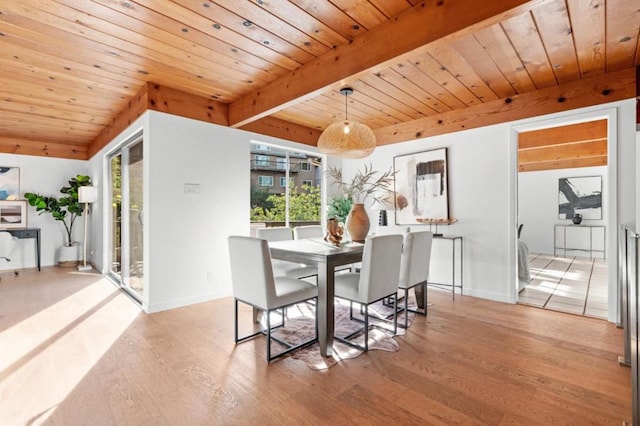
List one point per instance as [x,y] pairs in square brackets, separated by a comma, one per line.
[347,138]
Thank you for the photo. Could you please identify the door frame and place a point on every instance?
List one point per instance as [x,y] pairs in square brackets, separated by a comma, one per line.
[611,115]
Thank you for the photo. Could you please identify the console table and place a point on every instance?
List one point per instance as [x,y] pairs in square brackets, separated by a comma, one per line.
[454,242]
[562,227]
[23,233]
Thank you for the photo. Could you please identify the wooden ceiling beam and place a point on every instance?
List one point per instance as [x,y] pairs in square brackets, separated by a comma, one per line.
[596,90]
[282,129]
[134,109]
[39,148]
[591,130]
[160,98]
[576,150]
[425,24]
[563,164]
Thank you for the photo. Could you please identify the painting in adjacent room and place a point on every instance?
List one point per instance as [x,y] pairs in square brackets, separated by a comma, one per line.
[581,195]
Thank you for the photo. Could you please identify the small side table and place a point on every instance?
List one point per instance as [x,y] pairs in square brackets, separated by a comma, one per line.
[455,240]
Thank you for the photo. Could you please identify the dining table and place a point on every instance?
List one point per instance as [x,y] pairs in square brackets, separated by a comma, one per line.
[326,257]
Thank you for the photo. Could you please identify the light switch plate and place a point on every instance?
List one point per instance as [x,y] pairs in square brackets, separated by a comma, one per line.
[191,189]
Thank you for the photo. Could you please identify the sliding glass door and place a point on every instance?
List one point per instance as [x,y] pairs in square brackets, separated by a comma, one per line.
[126,249]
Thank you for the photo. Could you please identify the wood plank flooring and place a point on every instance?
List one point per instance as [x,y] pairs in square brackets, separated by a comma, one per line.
[76,351]
[575,285]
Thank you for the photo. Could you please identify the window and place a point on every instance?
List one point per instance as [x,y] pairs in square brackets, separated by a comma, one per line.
[284,197]
[265,180]
[260,147]
[262,160]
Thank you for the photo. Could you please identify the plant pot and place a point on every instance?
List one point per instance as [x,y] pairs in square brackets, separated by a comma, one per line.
[358,223]
[68,256]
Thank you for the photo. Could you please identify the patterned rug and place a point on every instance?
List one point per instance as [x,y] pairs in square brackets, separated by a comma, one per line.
[300,326]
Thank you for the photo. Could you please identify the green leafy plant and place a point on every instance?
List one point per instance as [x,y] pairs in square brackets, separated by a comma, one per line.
[66,209]
[365,184]
[339,207]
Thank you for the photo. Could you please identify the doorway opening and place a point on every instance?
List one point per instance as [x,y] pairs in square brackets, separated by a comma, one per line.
[563,218]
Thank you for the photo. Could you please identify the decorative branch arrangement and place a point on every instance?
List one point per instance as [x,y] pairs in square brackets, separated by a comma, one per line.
[365,185]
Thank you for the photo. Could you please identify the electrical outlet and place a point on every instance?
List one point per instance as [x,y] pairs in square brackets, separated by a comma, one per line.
[210,276]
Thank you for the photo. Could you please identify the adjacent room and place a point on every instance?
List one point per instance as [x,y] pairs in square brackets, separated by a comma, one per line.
[294,212]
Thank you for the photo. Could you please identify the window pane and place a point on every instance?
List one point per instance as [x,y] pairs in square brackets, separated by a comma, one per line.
[268,197]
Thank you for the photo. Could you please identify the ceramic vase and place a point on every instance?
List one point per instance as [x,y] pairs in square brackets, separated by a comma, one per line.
[577,218]
[358,223]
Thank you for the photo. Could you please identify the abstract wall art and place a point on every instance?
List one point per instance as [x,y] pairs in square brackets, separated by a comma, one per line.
[581,195]
[9,183]
[421,187]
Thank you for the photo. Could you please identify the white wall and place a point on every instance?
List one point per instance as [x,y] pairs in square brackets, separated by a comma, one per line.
[482,192]
[45,176]
[478,199]
[538,205]
[188,256]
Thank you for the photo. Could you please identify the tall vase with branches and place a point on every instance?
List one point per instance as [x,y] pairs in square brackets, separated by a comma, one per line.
[366,184]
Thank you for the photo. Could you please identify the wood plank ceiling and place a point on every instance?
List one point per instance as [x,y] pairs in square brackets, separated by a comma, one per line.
[563,147]
[71,71]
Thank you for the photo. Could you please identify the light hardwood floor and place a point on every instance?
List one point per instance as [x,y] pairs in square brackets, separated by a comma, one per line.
[575,285]
[76,351]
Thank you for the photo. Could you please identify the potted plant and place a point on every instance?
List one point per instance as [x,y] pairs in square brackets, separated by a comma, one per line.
[66,209]
[366,184]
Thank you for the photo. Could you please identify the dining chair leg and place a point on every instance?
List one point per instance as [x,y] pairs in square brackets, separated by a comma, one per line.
[269,336]
[366,328]
[406,308]
[235,319]
[424,295]
[395,313]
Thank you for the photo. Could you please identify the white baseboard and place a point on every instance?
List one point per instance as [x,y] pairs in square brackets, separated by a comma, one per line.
[496,297]
[176,303]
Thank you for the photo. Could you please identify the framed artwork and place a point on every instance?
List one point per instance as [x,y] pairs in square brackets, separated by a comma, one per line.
[13,214]
[421,188]
[9,183]
[580,195]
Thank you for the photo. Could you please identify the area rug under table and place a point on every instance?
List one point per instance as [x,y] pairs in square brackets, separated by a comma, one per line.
[300,326]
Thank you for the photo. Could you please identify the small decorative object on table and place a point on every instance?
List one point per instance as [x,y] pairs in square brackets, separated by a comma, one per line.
[334,232]
[577,218]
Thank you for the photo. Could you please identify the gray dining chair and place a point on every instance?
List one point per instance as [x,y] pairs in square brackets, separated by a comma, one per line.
[255,285]
[283,267]
[414,269]
[377,280]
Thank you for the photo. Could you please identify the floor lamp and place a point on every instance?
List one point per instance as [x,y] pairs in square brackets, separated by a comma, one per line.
[86,195]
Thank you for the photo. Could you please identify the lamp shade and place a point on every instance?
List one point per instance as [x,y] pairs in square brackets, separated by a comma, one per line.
[347,139]
[87,194]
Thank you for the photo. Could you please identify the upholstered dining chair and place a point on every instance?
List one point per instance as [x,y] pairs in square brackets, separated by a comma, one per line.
[377,280]
[282,267]
[307,231]
[254,284]
[414,269]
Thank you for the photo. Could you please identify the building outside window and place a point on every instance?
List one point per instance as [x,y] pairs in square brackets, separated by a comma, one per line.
[262,160]
[265,180]
[296,199]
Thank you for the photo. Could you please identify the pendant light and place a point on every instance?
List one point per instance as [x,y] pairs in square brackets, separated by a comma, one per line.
[347,138]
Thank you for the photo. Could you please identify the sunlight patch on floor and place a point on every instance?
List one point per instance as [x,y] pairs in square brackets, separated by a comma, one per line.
[64,341]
